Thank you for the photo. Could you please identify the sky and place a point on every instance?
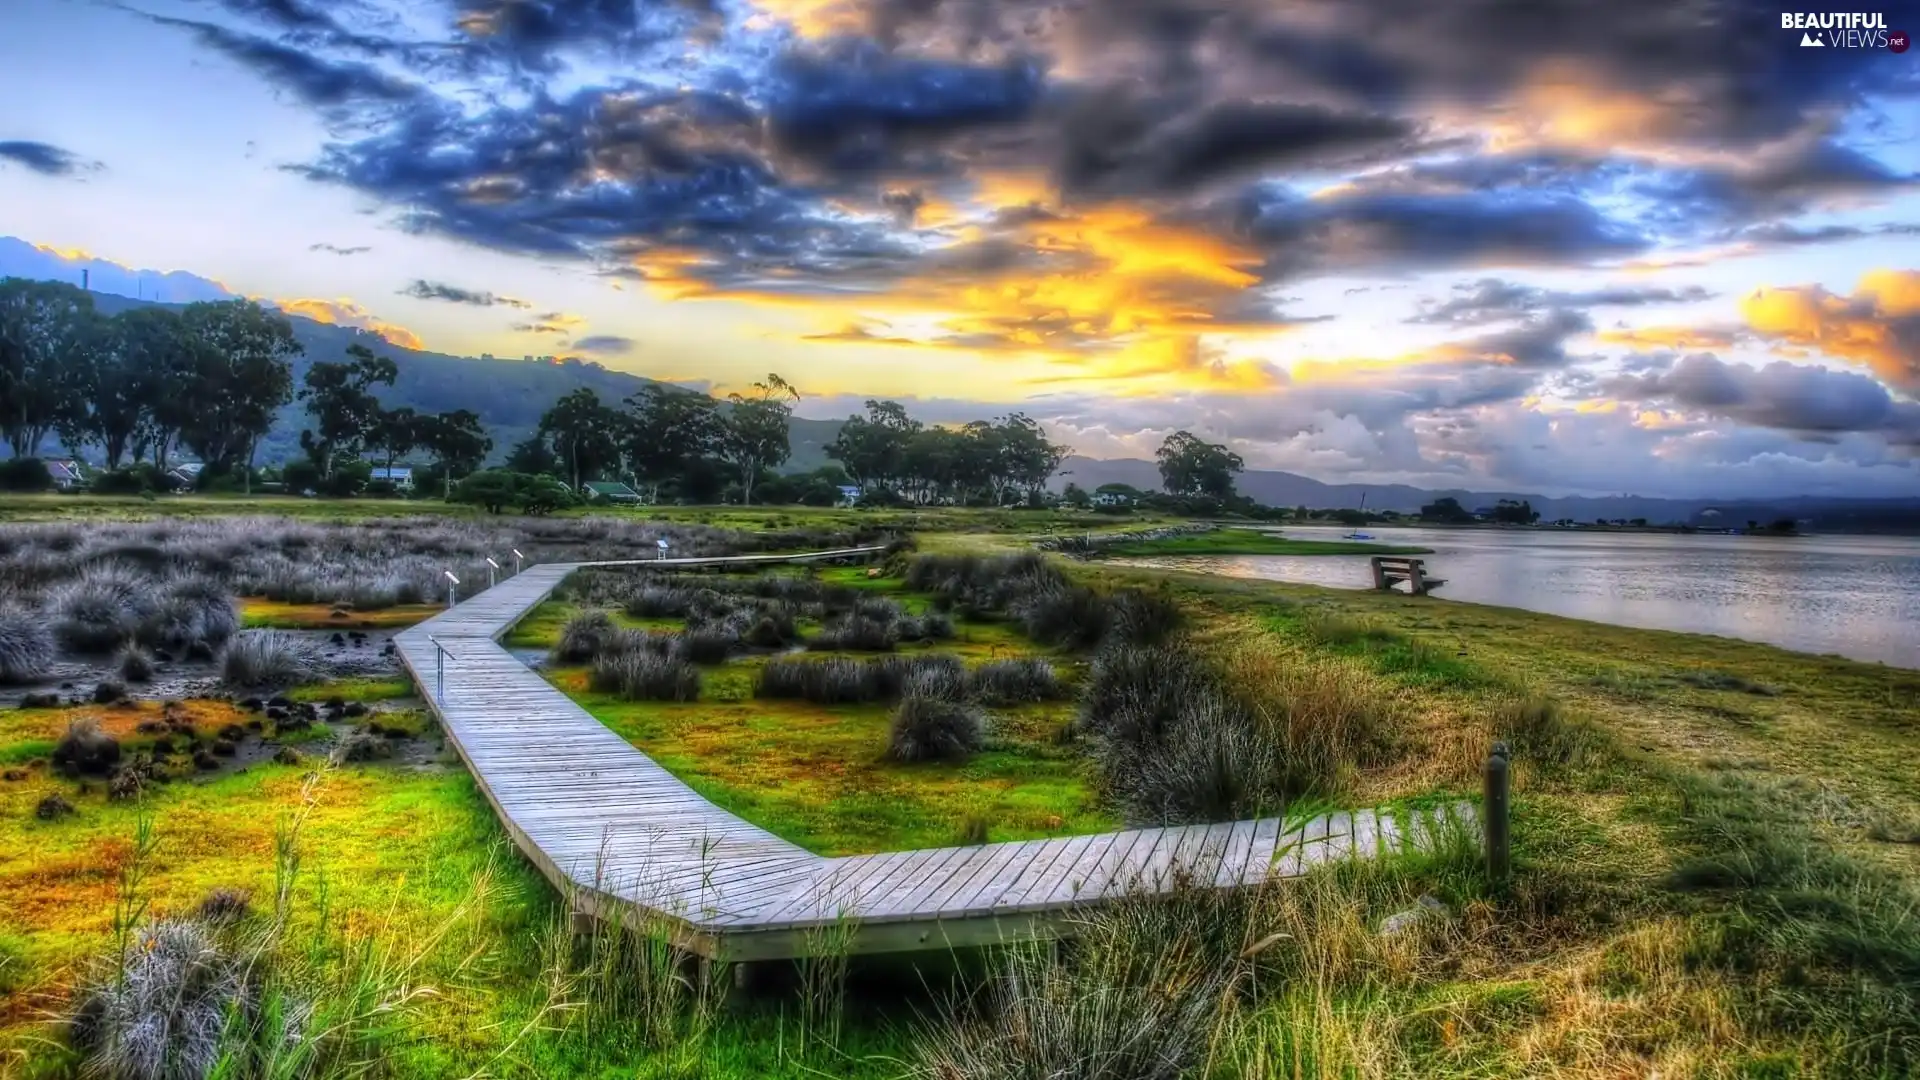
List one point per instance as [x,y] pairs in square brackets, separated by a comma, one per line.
[1656,247]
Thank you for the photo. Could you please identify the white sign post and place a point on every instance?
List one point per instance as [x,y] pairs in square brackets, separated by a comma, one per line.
[492,569]
[516,560]
[452,583]
[662,545]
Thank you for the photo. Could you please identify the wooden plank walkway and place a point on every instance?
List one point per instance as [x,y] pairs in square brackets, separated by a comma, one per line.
[626,839]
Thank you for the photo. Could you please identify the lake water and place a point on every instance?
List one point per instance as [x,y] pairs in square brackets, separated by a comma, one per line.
[1858,596]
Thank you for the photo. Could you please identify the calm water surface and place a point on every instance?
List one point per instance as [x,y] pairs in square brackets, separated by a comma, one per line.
[1858,596]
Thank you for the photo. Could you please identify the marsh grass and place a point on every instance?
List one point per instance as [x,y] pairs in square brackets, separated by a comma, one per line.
[267,659]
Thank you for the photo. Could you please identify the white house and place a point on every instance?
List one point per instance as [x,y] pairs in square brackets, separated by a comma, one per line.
[186,474]
[849,494]
[400,476]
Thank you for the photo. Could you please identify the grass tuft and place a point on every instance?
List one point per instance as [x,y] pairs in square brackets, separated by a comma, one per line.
[267,659]
[26,646]
[644,675]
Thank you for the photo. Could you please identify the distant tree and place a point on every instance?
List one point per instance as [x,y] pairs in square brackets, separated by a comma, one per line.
[1638,523]
[45,331]
[243,375]
[532,455]
[538,495]
[1191,466]
[346,415]
[873,448]
[1515,512]
[754,436]
[1446,508]
[456,441]
[584,435]
[667,430]
[397,432]
[1784,527]
[1076,496]
[1030,459]
[493,490]
[142,383]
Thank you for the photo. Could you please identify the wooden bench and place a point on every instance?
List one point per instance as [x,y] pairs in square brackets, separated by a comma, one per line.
[1390,570]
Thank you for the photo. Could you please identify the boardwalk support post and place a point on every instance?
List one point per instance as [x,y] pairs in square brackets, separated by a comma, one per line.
[1495,809]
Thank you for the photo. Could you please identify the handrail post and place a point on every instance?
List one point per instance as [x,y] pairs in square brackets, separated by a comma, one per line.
[1495,808]
[440,669]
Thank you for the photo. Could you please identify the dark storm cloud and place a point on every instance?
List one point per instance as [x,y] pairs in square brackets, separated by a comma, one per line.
[849,107]
[338,250]
[43,158]
[1538,343]
[318,81]
[437,290]
[1371,231]
[605,344]
[1788,397]
[1492,300]
[1802,177]
[1115,147]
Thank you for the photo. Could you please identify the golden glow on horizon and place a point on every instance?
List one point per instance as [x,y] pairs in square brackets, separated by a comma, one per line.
[344,312]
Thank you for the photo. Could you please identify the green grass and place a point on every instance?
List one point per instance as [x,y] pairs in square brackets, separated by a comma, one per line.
[815,774]
[1251,542]
[541,628]
[366,689]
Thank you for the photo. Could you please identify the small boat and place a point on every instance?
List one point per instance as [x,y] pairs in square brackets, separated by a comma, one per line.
[1357,536]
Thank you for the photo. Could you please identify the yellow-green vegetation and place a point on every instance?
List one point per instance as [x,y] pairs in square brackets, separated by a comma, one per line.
[362,688]
[259,612]
[1251,542]
[541,628]
[815,775]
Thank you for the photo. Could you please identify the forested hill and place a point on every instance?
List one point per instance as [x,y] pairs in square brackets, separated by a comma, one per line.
[509,395]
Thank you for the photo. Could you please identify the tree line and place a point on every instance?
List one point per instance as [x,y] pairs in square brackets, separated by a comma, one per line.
[207,379]
[151,383]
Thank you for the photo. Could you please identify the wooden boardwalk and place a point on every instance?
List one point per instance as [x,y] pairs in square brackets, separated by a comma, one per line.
[626,839]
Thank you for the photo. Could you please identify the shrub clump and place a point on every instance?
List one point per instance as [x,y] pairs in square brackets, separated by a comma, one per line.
[135,664]
[53,807]
[1001,683]
[858,633]
[360,746]
[167,1014]
[267,658]
[102,609]
[26,646]
[582,638]
[930,727]
[86,749]
[644,675]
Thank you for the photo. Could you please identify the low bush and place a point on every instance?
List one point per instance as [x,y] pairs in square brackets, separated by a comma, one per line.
[833,681]
[857,633]
[53,807]
[1539,732]
[1142,617]
[646,676]
[134,664]
[1015,682]
[933,626]
[25,474]
[103,609]
[774,629]
[929,726]
[711,645]
[660,602]
[583,636]
[360,746]
[26,646]
[257,659]
[1068,615]
[84,748]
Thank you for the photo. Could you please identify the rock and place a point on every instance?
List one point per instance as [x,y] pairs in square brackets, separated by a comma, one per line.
[40,701]
[252,704]
[256,725]
[280,701]
[1427,908]
[287,755]
[354,709]
[204,761]
[225,747]
[233,733]
[124,785]
[337,638]
[53,808]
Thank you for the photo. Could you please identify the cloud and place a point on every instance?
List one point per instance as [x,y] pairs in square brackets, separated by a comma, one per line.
[319,81]
[1809,400]
[604,344]
[1878,326]
[345,312]
[1493,300]
[436,290]
[551,322]
[44,158]
[338,250]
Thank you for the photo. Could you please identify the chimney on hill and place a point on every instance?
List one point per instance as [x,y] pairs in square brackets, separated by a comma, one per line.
[85,286]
